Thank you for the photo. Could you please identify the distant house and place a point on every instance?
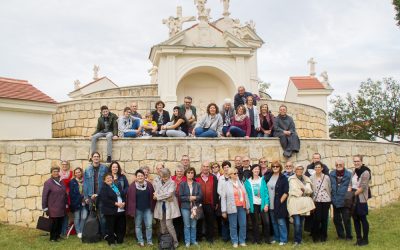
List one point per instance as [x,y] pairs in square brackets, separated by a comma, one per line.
[26,112]
[102,83]
[308,90]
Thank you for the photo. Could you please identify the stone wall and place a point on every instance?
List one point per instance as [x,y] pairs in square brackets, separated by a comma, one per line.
[25,165]
[135,91]
[79,118]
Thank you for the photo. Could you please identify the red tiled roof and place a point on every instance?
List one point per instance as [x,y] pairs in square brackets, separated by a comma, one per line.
[306,82]
[22,90]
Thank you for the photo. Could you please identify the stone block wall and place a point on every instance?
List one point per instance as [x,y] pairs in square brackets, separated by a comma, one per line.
[134,91]
[79,118]
[25,165]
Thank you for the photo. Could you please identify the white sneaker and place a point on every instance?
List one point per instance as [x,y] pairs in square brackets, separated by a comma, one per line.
[235,245]
[243,245]
[282,243]
[273,242]
[79,235]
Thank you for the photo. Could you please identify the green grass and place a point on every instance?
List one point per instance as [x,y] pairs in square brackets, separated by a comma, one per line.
[384,234]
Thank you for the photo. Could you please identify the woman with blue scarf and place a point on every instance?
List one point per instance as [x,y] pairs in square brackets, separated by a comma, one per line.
[114,210]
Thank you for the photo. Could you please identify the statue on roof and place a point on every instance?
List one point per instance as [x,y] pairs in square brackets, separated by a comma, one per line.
[77,84]
[226,12]
[251,24]
[325,78]
[312,63]
[203,13]
[96,70]
[153,73]
[175,24]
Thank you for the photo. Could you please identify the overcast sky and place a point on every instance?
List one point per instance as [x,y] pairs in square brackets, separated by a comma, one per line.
[51,43]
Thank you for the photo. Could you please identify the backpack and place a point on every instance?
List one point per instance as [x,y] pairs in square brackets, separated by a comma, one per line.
[91,228]
[166,242]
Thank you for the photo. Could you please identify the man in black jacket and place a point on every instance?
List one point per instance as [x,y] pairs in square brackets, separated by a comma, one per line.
[310,168]
[241,96]
[106,127]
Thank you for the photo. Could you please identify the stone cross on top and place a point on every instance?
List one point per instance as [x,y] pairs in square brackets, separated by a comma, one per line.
[312,63]
[96,69]
[226,12]
[175,23]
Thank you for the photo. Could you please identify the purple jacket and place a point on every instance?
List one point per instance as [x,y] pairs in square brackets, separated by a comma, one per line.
[245,125]
[54,198]
[131,199]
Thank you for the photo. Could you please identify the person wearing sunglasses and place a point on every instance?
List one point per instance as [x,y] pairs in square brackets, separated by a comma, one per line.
[278,189]
[234,206]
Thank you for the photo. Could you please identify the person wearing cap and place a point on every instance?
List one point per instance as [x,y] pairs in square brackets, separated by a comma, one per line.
[227,112]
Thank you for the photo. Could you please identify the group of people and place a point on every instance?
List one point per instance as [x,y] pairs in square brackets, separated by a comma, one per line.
[221,200]
[242,119]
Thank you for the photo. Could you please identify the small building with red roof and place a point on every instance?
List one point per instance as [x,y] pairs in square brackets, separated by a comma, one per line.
[308,90]
[26,111]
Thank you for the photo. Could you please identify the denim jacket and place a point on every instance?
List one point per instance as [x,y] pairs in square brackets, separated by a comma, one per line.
[88,184]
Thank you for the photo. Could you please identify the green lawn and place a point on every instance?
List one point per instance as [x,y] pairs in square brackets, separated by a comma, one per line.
[384,234]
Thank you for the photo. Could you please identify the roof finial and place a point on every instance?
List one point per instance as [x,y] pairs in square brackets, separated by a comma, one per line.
[226,12]
[312,63]
[77,84]
[96,69]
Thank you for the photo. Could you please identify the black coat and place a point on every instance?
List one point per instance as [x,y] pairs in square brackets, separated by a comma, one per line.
[281,188]
[325,169]
[156,115]
[239,101]
[184,194]
[76,198]
[108,198]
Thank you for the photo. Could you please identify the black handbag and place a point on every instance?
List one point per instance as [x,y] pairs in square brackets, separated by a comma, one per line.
[349,199]
[44,223]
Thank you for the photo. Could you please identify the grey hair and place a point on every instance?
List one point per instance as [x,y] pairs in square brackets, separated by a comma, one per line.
[145,167]
[179,167]
[165,172]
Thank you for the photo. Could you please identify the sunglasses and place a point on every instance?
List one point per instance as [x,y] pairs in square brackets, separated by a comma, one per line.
[263,161]
[234,173]
[275,167]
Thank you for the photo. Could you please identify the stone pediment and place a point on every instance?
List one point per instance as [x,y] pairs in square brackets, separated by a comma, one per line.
[210,35]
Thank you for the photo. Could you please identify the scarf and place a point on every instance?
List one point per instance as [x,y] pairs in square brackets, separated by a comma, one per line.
[361,170]
[80,184]
[239,118]
[239,189]
[301,179]
[141,186]
[64,175]
[340,173]
[115,189]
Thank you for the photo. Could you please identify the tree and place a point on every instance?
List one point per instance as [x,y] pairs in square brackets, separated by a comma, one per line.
[396,4]
[373,113]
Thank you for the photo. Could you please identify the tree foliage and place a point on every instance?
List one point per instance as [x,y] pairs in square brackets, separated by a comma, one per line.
[374,112]
[396,4]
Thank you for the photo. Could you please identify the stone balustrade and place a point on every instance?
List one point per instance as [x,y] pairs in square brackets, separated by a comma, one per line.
[130,91]
[25,165]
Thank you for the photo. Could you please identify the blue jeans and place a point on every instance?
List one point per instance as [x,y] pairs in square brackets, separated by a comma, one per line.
[279,226]
[225,229]
[225,129]
[64,227]
[237,132]
[189,226]
[147,217]
[205,132]
[79,218]
[239,216]
[135,126]
[298,227]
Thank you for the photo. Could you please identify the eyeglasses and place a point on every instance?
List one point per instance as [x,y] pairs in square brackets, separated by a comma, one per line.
[263,161]
[246,160]
[275,166]
[234,173]
[356,161]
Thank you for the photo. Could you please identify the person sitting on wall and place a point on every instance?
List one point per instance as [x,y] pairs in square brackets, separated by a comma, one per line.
[179,125]
[266,122]
[128,126]
[240,97]
[240,125]
[227,112]
[106,127]
[211,124]
[285,129]
[149,126]
[134,108]
[189,111]
[253,114]
[160,115]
